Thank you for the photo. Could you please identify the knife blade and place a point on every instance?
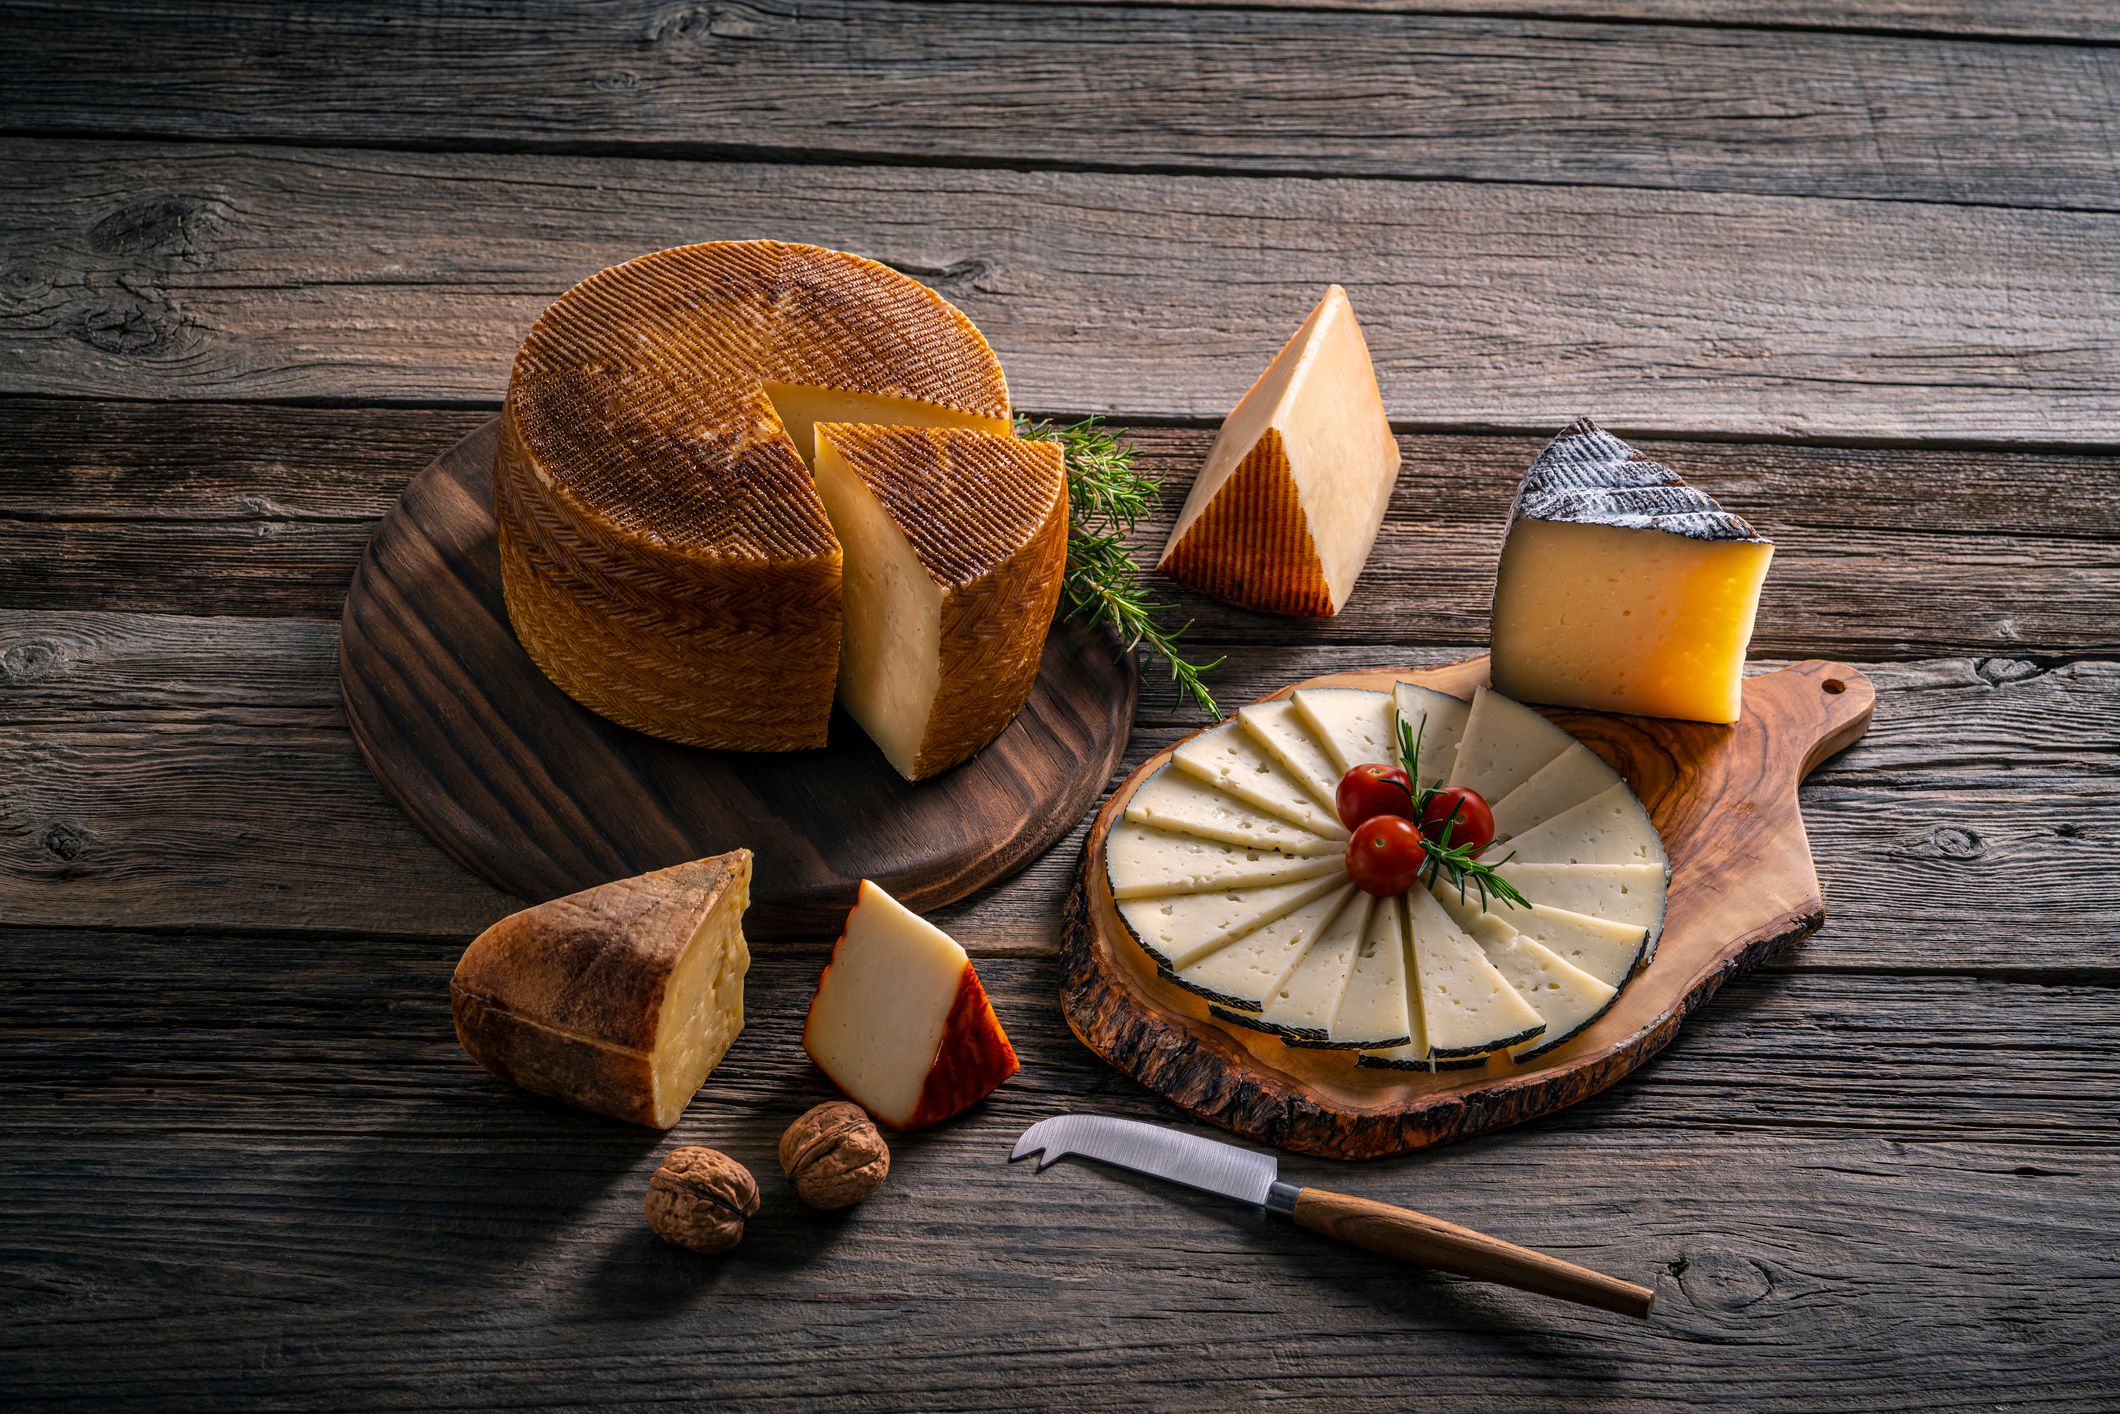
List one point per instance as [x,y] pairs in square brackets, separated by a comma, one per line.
[1227,1171]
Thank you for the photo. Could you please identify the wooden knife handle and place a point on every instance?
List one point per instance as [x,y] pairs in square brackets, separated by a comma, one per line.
[1408,1236]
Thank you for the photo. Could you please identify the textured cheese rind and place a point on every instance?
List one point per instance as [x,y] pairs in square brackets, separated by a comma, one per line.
[1607,950]
[1566,998]
[954,545]
[1242,973]
[1609,828]
[1568,780]
[1302,1007]
[1227,758]
[1180,929]
[1176,800]
[1282,734]
[1467,1007]
[1631,894]
[1141,861]
[1353,724]
[1287,506]
[621,998]
[665,559]
[1623,589]
[1438,722]
[1505,742]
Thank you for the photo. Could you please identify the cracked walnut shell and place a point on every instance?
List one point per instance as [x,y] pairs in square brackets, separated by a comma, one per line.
[701,1199]
[834,1155]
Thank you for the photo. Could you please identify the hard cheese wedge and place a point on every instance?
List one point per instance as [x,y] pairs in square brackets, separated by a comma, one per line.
[1172,799]
[1566,781]
[1504,743]
[1284,513]
[899,1021]
[1179,929]
[1622,588]
[1609,828]
[1245,971]
[1301,1009]
[1227,758]
[1142,862]
[1437,721]
[1353,724]
[1566,998]
[1282,734]
[953,543]
[621,998]
[1467,1007]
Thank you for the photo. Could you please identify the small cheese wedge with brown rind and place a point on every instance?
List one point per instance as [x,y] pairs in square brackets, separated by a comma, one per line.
[900,1021]
[1227,758]
[1281,732]
[1141,861]
[1245,971]
[1172,799]
[620,999]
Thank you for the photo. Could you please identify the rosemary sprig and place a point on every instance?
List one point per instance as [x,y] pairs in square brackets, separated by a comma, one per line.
[1106,495]
[1457,862]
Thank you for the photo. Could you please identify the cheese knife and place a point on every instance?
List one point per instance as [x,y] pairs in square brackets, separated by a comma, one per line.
[1398,1233]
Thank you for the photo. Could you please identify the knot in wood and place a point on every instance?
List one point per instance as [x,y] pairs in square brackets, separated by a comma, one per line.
[29,662]
[1718,1280]
[834,1155]
[700,1199]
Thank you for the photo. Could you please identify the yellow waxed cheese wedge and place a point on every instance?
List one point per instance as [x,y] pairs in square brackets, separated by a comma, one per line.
[1284,512]
[1142,861]
[1609,828]
[1180,929]
[1467,1006]
[1227,758]
[1172,799]
[1353,724]
[1623,589]
[1245,971]
[1282,734]
[1437,721]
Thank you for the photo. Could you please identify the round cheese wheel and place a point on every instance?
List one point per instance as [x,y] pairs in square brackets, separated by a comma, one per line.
[665,557]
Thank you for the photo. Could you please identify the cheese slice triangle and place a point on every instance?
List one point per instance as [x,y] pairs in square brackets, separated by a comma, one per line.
[1302,1007]
[1505,742]
[1437,722]
[1180,929]
[1284,512]
[1375,1011]
[1282,734]
[1244,972]
[1227,758]
[1609,828]
[1467,1007]
[1566,781]
[1142,861]
[1604,949]
[1172,799]
[1353,724]
[1566,998]
[1631,894]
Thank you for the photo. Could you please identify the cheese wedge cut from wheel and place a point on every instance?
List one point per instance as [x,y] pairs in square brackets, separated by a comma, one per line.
[1609,828]
[1437,720]
[1282,734]
[1561,784]
[1505,742]
[1354,725]
[1172,799]
[1180,929]
[620,999]
[1600,947]
[899,1020]
[1624,893]
[1227,758]
[1284,513]
[1566,998]
[1301,1009]
[1375,1010]
[1246,970]
[1467,1007]
[664,554]
[1623,589]
[1141,861]
[954,543]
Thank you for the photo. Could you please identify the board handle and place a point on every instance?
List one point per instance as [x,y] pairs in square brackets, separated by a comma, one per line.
[1407,1236]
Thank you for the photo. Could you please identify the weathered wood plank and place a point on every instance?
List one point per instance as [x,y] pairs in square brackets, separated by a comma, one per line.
[269,1163]
[1481,97]
[180,271]
[212,510]
[155,786]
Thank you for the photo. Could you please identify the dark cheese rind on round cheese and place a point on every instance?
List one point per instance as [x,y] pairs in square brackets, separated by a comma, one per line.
[1587,476]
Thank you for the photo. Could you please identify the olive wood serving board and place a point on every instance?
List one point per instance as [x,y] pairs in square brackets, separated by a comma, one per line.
[1742,887]
[543,797]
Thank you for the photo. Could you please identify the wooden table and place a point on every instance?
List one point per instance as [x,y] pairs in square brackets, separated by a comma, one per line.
[1854,267]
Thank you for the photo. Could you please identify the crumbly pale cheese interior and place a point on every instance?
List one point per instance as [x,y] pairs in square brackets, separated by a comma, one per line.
[702,1010]
[1284,512]
[877,1020]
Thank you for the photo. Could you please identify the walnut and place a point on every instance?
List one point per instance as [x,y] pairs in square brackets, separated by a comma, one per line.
[701,1198]
[834,1155]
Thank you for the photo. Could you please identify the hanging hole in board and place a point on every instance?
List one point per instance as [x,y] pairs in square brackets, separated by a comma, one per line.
[1834,686]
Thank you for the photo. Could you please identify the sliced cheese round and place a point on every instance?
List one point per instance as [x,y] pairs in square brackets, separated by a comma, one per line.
[665,557]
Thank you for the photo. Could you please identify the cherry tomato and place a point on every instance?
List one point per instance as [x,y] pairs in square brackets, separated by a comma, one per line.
[1385,856]
[1474,826]
[1373,789]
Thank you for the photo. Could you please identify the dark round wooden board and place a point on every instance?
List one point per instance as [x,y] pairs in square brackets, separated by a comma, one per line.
[1742,886]
[543,797]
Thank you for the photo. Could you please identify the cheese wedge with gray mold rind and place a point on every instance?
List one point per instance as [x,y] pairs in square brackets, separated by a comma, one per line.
[1438,720]
[1176,800]
[1141,861]
[1281,732]
[1563,783]
[1243,972]
[1504,744]
[1180,929]
[1611,828]
[1353,724]
[1227,758]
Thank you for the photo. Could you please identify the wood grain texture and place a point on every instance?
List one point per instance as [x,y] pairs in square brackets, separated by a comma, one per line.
[1742,889]
[542,797]
[1300,91]
[264,1165]
[199,271]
